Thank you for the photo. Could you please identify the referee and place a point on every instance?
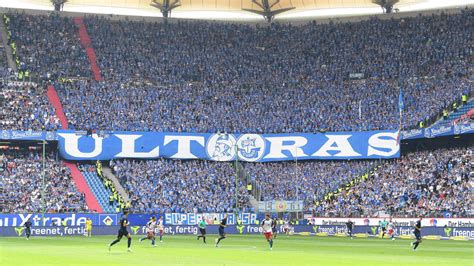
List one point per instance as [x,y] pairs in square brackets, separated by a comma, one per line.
[202,229]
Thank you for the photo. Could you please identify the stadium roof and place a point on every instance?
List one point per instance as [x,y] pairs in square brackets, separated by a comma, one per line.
[232,9]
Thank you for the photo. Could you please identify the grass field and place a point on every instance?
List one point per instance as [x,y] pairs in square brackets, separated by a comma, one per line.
[235,250]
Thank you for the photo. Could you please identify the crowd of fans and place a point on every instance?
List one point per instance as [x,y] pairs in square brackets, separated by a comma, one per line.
[335,106]
[180,186]
[309,181]
[26,107]
[48,45]
[420,184]
[207,77]
[21,178]
[221,53]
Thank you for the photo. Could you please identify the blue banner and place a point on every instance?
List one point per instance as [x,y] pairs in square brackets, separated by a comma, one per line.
[51,219]
[27,135]
[440,131]
[73,219]
[228,147]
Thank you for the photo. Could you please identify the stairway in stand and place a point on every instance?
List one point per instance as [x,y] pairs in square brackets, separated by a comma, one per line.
[86,43]
[77,176]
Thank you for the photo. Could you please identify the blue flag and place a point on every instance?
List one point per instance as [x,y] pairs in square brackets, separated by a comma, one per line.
[400,102]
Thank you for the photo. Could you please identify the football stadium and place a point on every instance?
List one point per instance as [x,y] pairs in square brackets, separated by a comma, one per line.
[236,132]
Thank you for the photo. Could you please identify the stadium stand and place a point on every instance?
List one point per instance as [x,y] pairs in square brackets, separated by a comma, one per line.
[48,45]
[210,77]
[329,106]
[304,73]
[179,186]
[25,107]
[307,181]
[463,114]
[425,183]
[98,187]
[21,176]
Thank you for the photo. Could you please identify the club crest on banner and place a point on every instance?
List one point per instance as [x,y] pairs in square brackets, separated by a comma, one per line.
[221,147]
[250,147]
[280,206]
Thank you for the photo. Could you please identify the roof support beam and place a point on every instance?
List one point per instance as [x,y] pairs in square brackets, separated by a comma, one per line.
[267,6]
[58,4]
[387,5]
[165,6]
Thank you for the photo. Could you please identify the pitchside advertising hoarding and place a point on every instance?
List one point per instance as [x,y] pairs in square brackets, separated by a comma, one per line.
[329,230]
[180,223]
[77,219]
[74,219]
[426,222]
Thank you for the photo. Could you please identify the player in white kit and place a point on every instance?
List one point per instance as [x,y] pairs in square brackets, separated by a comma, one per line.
[150,231]
[267,230]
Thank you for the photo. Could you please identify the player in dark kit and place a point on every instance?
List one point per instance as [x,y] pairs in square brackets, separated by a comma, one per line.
[383,226]
[417,232]
[27,226]
[222,225]
[274,228]
[123,232]
[350,226]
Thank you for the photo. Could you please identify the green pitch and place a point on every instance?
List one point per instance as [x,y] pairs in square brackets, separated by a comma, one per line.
[235,250]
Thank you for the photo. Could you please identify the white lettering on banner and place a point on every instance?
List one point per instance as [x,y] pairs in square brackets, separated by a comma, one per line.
[437,222]
[277,147]
[441,130]
[184,145]
[23,218]
[71,145]
[467,128]
[128,148]
[342,145]
[411,133]
[465,233]
[193,219]
[375,141]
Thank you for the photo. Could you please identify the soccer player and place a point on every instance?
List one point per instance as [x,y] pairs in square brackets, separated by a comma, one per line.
[350,227]
[267,226]
[417,232]
[391,230]
[286,227]
[383,226]
[161,227]
[222,226]
[123,231]
[27,226]
[88,227]
[202,229]
[274,228]
[150,231]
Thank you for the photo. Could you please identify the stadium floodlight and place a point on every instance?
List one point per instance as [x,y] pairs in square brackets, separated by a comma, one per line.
[165,6]
[267,11]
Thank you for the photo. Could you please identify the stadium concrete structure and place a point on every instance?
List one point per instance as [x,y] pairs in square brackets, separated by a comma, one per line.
[317,121]
[236,9]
